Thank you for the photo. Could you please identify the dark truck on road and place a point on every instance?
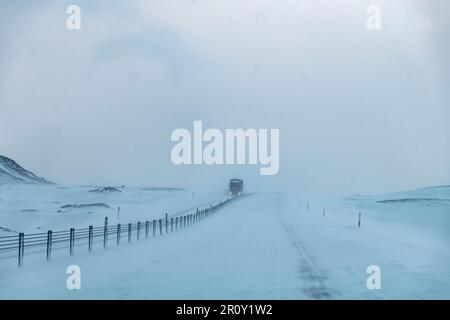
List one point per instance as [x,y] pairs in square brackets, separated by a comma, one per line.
[236,186]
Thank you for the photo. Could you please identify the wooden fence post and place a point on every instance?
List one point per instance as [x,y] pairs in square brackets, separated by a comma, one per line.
[129,232]
[91,238]
[49,244]
[105,233]
[138,230]
[171,224]
[147,228]
[154,228]
[160,227]
[21,248]
[72,240]
[359,219]
[323,212]
[167,223]
[119,230]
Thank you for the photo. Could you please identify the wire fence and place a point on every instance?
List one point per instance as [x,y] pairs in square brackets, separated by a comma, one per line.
[17,245]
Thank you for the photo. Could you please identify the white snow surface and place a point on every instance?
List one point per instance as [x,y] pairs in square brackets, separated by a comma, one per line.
[262,246]
[38,208]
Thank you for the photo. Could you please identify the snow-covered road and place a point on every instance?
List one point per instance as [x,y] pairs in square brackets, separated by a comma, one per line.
[264,246]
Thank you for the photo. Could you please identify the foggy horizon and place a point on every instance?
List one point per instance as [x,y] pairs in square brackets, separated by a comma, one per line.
[359,111]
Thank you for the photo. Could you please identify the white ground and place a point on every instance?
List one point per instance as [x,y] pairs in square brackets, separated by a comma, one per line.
[37,208]
[264,246]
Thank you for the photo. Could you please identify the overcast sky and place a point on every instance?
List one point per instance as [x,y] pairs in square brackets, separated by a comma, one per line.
[359,110]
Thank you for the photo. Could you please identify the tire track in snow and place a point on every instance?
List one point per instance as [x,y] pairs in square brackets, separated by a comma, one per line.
[314,280]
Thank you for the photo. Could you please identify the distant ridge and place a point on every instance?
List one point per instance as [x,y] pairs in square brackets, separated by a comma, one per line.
[433,187]
[13,173]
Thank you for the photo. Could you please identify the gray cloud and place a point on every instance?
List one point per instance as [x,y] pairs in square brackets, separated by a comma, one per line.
[358,110]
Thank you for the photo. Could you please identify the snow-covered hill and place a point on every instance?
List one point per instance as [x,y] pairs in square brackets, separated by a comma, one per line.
[13,173]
